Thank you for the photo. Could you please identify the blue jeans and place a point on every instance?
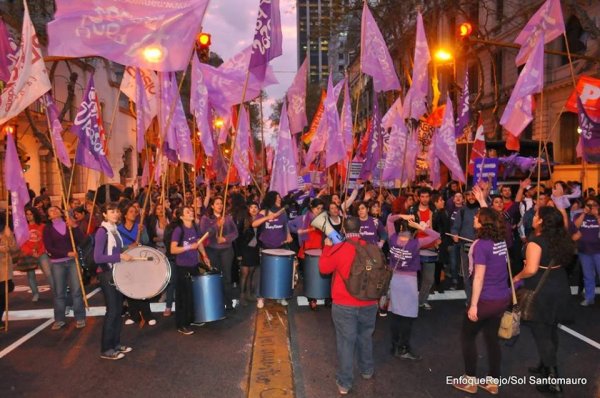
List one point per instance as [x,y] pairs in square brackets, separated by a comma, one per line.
[427,277]
[354,328]
[590,265]
[65,274]
[454,261]
[113,299]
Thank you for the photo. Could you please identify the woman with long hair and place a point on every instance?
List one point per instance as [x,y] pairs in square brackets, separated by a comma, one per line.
[34,250]
[489,299]
[222,232]
[156,224]
[250,252]
[550,250]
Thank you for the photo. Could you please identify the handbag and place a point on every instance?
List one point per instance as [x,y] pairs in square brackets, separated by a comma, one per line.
[510,324]
[26,263]
[526,297]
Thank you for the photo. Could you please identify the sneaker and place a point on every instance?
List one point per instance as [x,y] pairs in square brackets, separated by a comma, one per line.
[185,331]
[586,303]
[425,306]
[382,313]
[367,376]
[152,322]
[80,324]
[342,390]
[35,298]
[112,355]
[129,321]
[260,303]
[58,325]
[124,349]
[405,353]
[492,388]
[466,383]
[283,302]
[167,312]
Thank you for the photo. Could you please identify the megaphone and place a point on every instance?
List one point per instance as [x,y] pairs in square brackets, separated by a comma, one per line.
[321,222]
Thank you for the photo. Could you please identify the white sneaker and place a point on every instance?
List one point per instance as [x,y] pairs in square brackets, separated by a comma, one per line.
[586,303]
[35,298]
[283,302]
[129,321]
[260,303]
[152,322]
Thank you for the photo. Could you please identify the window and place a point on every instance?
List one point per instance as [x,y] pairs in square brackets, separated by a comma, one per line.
[576,38]
[568,138]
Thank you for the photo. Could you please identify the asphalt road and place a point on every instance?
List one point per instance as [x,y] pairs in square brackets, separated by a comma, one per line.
[214,362]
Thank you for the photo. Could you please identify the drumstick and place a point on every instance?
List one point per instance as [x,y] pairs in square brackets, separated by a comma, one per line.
[203,238]
[460,237]
[150,258]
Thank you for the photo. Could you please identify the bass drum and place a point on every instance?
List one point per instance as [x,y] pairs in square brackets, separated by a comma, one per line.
[144,277]
[276,274]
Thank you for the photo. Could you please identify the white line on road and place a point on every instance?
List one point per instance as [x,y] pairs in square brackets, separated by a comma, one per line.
[591,342]
[35,331]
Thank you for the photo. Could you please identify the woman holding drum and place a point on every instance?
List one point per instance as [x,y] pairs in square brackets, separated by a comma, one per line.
[274,235]
[222,231]
[139,310]
[107,252]
[185,245]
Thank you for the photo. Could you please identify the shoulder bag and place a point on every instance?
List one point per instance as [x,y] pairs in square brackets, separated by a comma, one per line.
[510,324]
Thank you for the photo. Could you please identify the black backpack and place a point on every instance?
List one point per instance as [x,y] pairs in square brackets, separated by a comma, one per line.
[369,277]
[85,251]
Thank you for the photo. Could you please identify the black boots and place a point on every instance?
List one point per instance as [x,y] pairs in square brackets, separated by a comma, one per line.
[552,386]
[403,352]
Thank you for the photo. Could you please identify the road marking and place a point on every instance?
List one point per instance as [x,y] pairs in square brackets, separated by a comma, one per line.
[271,362]
[35,331]
[581,337]
[28,315]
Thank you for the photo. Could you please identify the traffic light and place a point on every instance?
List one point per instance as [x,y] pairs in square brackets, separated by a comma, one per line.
[203,45]
[464,30]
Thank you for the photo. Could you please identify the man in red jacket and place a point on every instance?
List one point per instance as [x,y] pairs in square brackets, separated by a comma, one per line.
[354,319]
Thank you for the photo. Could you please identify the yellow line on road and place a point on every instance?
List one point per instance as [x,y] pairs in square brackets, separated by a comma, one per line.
[271,365]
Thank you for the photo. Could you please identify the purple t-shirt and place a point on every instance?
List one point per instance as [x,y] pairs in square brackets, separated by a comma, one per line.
[493,256]
[404,259]
[371,230]
[273,233]
[189,258]
[589,243]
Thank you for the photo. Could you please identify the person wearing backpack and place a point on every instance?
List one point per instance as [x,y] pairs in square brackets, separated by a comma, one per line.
[186,247]
[353,318]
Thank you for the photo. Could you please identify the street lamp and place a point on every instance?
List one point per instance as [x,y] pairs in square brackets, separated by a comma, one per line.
[219,122]
[442,55]
[153,54]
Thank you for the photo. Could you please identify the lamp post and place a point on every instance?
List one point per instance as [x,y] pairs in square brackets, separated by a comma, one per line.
[442,57]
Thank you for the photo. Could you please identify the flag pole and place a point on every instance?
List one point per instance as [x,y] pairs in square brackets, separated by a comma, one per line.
[65,205]
[232,151]
[360,87]
[262,134]
[6,264]
[539,160]
[194,175]
[88,230]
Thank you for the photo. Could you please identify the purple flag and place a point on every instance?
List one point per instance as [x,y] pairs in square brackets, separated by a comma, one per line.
[517,114]
[464,111]
[393,166]
[90,149]
[143,112]
[155,35]
[434,166]
[296,96]
[225,84]
[334,151]
[56,129]
[317,145]
[8,49]
[375,59]
[267,42]
[415,100]
[241,160]
[590,135]
[284,173]
[177,137]
[145,174]
[375,148]
[445,143]
[19,195]
[199,107]
[346,120]
[547,23]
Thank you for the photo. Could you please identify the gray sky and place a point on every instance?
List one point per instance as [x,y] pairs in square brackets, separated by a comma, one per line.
[231,24]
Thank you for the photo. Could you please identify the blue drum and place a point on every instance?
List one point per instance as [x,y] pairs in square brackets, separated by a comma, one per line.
[276,273]
[209,303]
[316,285]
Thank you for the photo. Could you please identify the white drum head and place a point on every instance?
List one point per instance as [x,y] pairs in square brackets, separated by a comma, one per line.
[279,252]
[314,252]
[142,279]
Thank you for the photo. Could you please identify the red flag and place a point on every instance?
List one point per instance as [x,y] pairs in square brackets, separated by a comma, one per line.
[588,89]
[512,143]
[478,150]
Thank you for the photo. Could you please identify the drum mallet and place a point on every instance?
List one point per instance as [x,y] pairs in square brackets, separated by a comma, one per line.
[460,237]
